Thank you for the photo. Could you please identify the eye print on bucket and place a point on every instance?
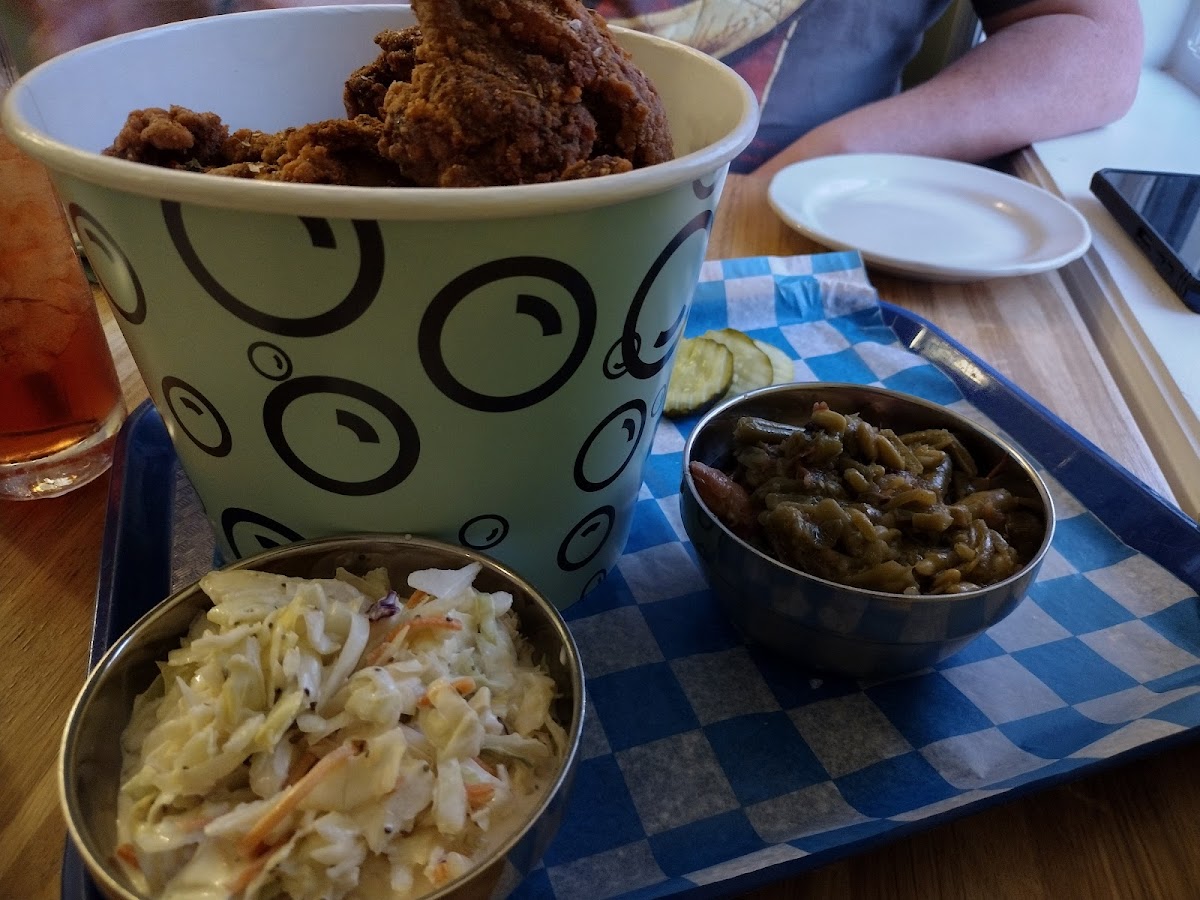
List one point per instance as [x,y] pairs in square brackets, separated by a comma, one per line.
[610,447]
[197,417]
[339,312]
[341,436]
[594,582]
[112,267]
[614,360]
[248,532]
[483,532]
[269,361]
[660,402]
[658,349]
[546,311]
[585,541]
[704,191]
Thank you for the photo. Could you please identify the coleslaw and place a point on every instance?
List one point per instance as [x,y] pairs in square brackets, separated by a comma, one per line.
[328,738]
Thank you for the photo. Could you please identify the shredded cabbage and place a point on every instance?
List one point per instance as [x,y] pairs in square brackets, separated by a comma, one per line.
[322,738]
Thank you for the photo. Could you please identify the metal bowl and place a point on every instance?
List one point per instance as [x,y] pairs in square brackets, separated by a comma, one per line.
[90,758]
[828,627]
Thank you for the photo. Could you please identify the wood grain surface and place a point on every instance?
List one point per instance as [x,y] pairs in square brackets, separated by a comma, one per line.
[1127,833]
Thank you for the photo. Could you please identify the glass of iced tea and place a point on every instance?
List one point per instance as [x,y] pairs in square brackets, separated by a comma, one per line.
[60,400]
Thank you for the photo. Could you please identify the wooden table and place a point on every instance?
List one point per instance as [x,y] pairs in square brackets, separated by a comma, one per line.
[1133,832]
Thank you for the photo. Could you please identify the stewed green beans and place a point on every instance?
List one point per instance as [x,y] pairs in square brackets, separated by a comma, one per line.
[861,505]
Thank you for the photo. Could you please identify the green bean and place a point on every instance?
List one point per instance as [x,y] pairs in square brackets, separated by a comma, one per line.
[914,496]
[862,522]
[886,453]
[833,422]
[750,429]
[857,480]
[889,576]
[938,518]
[935,561]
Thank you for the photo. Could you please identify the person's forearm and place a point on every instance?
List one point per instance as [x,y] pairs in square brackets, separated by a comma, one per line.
[1017,87]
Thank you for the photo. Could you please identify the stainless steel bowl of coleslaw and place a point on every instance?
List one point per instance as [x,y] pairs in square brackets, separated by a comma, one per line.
[358,716]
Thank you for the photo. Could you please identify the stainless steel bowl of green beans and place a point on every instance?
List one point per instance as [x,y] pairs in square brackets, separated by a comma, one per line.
[861,531]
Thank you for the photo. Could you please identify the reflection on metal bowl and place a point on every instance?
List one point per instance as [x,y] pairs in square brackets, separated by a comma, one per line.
[821,625]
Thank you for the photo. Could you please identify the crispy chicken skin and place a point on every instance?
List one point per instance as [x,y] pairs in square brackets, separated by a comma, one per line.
[481,92]
[175,138]
[366,86]
[334,151]
[519,91]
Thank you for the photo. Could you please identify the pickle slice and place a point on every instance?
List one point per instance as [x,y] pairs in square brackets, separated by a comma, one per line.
[752,368]
[702,373]
[782,369]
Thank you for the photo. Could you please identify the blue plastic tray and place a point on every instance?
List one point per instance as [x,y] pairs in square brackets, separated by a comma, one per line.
[156,540]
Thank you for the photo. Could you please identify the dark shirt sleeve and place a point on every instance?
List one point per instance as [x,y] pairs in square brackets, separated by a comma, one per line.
[986,8]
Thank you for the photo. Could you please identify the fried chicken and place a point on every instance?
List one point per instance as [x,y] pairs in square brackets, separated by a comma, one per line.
[481,92]
[175,138]
[333,151]
[366,86]
[520,91]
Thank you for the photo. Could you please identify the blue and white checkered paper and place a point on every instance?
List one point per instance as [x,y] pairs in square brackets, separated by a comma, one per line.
[705,759]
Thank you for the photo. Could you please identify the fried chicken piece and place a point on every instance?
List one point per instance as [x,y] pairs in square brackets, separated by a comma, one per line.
[333,151]
[367,85]
[516,92]
[597,165]
[247,145]
[175,138]
[336,151]
[481,92]
[241,170]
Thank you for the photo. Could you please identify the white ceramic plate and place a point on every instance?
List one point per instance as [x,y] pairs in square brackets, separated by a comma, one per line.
[932,218]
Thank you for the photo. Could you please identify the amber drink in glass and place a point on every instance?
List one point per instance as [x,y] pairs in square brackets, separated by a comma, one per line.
[60,399]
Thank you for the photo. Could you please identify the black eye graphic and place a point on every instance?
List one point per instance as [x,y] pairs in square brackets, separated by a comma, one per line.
[111,265]
[586,540]
[483,532]
[197,417]
[665,338]
[660,401]
[544,308]
[341,436]
[610,447]
[594,582]
[614,360]
[270,361]
[248,532]
[250,304]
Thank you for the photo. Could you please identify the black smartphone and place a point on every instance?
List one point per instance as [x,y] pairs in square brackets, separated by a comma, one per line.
[1161,212]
